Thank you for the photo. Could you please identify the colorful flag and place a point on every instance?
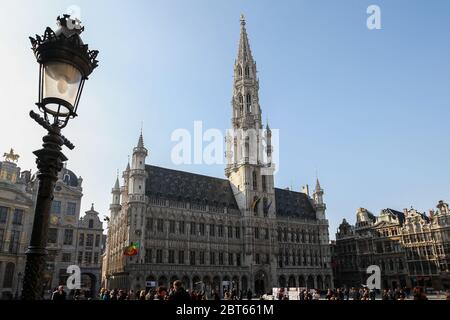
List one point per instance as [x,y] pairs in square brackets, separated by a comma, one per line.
[255,202]
[132,249]
[268,206]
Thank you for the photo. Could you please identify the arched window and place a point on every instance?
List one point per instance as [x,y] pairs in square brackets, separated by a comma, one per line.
[247,71]
[241,104]
[9,275]
[239,71]
[247,149]
[265,208]
[249,103]
[264,188]
[255,182]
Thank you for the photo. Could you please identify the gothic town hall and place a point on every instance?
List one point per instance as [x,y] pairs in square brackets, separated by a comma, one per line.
[211,233]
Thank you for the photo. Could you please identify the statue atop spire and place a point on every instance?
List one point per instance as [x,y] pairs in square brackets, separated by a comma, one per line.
[244,52]
[11,156]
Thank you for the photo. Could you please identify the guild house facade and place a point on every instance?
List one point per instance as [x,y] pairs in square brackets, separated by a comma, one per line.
[71,239]
[410,247]
[211,233]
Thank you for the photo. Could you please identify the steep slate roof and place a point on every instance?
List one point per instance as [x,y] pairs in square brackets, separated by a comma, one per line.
[371,216]
[424,217]
[400,215]
[293,204]
[185,186]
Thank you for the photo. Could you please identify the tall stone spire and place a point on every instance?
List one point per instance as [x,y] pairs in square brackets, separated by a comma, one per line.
[246,164]
[318,188]
[318,201]
[115,192]
[245,146]
[117,185]
[140,141]
[138,173]
[244,52]
[128,165]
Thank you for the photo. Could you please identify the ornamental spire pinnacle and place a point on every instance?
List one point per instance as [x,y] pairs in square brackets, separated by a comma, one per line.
[244,52]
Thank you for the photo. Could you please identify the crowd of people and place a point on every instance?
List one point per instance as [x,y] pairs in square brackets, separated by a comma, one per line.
[178,293]
[387,294]
[354,293]
[351,294]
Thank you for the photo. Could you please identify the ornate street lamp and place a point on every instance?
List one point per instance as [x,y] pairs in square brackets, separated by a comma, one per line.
[65,63]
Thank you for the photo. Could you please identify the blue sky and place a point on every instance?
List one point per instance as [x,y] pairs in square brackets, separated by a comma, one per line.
[368,110]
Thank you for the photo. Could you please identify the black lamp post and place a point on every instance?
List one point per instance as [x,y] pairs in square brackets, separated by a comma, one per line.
[65,63]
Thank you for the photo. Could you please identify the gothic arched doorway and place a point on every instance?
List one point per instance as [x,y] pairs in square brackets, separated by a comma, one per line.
[260,282]
[328,282]
[319,283]
[226,284]
[244,284]
[216,284]
[196,283]
[207,284]
[150,282]
[301,281]
[291,282]
[282,281]
[186,282]
[172,280]
[310,282]
[235,284]
[162,281]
